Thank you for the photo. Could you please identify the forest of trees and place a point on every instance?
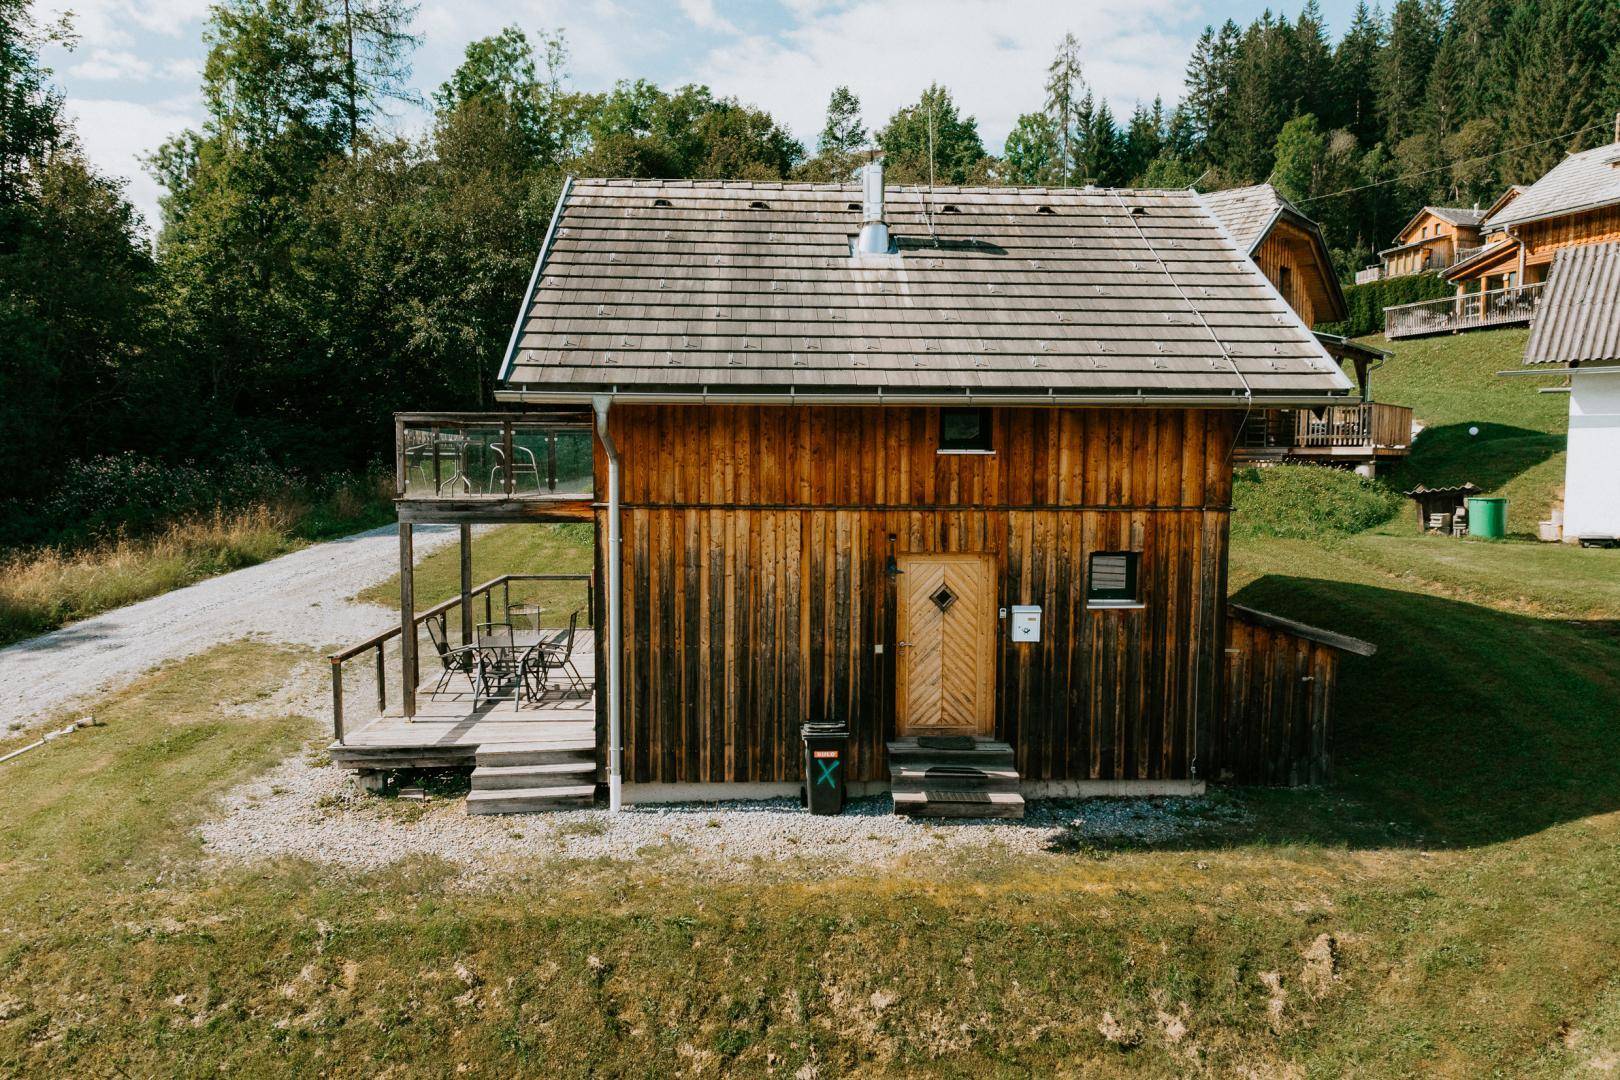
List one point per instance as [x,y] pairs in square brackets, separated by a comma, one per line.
[313,271]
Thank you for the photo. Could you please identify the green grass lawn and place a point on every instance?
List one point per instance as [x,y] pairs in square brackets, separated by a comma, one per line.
[1465,869]
[1451,384]
[509,549]
[1446,908]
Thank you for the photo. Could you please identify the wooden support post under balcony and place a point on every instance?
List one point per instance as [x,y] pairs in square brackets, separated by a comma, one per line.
[466,585]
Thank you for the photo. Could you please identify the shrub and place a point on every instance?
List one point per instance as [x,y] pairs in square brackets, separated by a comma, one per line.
[1366,303]
[1308,502]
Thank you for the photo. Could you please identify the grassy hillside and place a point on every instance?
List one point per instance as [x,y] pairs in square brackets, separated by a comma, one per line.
[1451,384]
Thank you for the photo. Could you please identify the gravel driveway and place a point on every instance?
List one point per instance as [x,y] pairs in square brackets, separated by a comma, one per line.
[301,598]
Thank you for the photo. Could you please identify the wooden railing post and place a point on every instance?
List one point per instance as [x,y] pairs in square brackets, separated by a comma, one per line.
[337,700]
[382,682]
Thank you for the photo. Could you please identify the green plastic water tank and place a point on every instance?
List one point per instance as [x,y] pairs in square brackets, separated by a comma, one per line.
[1487,517]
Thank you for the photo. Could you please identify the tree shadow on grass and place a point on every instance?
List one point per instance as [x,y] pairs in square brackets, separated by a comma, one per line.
[1447,454]
[1470,725]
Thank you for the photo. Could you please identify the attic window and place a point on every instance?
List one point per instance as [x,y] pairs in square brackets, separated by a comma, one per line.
[1045,210]
[662,202]
[1113,579]
[964,431]
[759,205]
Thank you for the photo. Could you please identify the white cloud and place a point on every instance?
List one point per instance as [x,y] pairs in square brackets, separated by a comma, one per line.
[110,64]
[704,16]
[117,135]
[103,24]
[993,56]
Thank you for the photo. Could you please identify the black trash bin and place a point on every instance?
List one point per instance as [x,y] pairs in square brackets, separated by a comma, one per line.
[824,745]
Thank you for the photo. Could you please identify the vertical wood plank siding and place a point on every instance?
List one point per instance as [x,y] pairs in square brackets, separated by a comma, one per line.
[1279,690]
[755,544]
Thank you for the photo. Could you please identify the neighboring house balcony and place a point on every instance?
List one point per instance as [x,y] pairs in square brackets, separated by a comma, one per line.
[1360,432]
[1514,306]
[1430,259]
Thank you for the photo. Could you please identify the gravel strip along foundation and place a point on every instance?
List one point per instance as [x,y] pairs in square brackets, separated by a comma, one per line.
[306,809]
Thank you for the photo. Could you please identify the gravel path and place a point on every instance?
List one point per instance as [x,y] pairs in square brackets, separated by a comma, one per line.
[301,598]
[307,809]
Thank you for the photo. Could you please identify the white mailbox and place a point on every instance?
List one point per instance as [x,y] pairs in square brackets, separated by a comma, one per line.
[1026,622]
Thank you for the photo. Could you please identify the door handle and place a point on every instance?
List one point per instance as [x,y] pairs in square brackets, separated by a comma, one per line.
[902,644]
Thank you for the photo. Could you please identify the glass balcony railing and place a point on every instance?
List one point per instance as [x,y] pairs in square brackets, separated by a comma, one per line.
[493,456]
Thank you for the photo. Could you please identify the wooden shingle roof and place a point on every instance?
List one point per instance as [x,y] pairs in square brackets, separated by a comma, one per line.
[729,290]
[1247,212]
[1581,181]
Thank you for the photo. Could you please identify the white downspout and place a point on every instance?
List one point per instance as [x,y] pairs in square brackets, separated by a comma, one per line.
[614,608]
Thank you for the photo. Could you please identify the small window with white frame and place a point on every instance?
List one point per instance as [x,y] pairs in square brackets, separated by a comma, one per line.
[1112,580]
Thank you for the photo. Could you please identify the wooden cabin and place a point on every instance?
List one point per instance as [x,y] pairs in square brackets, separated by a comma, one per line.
[952,468]
[1290,250]
[1501,282]
[1577,202]
[1435,238]
[1287,246]
[857,434]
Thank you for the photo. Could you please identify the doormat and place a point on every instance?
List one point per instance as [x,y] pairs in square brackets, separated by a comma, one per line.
[946,742]
[957,796]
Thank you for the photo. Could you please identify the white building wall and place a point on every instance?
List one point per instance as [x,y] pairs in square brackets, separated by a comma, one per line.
[1592,473]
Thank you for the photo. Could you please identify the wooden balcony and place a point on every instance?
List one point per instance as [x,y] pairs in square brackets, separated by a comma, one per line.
[1363,431]
[490,467]
[1473,311]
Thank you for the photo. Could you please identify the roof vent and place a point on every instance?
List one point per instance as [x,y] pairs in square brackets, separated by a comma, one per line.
[1045,210]
[1138,211]
[853,206]
[661,202]
[950,208]
[759,204]
[874,238]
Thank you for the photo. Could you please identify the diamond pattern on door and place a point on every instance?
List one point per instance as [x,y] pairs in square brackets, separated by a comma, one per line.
[947,631]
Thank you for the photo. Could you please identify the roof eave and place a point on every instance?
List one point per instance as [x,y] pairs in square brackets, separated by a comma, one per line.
[1235,399]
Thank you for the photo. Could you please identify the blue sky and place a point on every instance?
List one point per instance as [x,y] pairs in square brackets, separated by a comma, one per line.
[132,79]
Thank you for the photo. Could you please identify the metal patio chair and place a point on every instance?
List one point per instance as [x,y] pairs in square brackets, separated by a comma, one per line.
[455,661]
[524,464]
[554,655]
[496,664]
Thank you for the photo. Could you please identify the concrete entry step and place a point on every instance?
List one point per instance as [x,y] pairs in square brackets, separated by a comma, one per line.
[921,775]
[959,804]
[531,800]
[954,778]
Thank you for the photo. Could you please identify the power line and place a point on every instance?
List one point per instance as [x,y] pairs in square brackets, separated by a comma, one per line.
[1454,164]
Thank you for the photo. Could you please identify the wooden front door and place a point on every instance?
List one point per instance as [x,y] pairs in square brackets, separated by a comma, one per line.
[947,645]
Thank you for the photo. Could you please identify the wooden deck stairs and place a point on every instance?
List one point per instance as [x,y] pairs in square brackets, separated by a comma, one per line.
[523,778]
[954,777]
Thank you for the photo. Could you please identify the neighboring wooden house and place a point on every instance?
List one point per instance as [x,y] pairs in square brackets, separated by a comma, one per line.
[1287,246]
[1435,238]
[930,464]
[1500,284]
[1577,335]
[1290,250]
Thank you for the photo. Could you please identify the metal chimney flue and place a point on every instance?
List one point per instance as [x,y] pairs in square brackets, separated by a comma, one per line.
[874,238]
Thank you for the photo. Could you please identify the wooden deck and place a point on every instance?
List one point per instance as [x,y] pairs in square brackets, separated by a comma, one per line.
[448,730]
